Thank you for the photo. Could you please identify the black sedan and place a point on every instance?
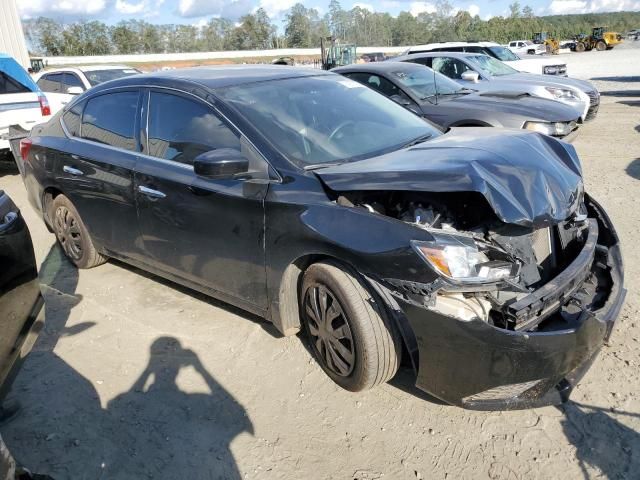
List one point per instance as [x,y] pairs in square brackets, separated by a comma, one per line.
[321,205]
[446,103]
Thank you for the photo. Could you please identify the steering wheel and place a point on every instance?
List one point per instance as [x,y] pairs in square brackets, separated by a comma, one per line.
[340,127]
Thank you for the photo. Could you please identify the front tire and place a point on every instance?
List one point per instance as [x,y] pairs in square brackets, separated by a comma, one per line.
[72,234]
[601,46]
[348,330]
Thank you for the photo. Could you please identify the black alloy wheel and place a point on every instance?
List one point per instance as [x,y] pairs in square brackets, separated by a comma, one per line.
[68,232]
[329,330]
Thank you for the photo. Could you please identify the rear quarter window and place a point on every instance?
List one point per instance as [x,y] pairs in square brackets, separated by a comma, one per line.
[10,85]
[71,119]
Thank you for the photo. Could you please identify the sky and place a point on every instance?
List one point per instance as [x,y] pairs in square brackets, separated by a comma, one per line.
[199,11]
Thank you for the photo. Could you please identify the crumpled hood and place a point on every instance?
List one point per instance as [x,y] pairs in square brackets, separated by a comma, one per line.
[528,179]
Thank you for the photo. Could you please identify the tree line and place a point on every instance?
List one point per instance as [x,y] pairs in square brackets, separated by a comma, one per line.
[304,27]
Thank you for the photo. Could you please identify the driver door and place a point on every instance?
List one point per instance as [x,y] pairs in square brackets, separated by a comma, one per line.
[203,232]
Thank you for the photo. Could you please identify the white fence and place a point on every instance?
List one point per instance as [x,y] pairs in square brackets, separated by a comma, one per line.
[176,57]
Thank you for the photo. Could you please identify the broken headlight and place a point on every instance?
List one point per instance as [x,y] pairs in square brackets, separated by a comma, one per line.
[462,260]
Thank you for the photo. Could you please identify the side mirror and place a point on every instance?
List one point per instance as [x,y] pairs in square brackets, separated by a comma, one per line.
[223,163]
[470,76]
[74,90]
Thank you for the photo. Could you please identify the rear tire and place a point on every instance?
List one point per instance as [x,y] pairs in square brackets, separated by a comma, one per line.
[72,234]
[580,47]
[348,330]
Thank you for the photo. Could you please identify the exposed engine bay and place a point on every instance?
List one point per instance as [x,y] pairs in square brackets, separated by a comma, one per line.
[498,264]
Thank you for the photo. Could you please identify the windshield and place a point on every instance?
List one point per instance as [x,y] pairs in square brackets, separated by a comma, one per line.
[98,76]
[492,66]
[425,83]
[504,54]
[325,119]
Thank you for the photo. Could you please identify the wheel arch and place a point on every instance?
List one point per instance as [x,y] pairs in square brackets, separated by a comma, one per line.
[48,194]
[287,317]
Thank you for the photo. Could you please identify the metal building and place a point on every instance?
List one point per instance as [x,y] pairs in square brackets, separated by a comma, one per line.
[11,35]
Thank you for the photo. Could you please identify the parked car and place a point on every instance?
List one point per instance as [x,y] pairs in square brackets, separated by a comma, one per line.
[62,84]
[447,104]
[526,47]
[21,101]
[544,66]
[21,312]
[487,74]
[311,200]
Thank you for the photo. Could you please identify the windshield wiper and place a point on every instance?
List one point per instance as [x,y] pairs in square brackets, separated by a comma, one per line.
[317,166]
[418,140]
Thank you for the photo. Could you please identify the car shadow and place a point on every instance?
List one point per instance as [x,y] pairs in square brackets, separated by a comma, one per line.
[232,309]
[152,429]
[622,78]
[601,441]
[633,169]
[620,93]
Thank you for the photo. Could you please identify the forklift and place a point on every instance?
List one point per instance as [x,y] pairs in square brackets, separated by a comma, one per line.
[336,55]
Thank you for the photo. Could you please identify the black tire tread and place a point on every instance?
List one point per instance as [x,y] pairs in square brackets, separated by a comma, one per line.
[381,347]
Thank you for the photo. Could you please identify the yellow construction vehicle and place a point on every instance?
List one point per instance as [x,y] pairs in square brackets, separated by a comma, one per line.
[551,44]
[599,39]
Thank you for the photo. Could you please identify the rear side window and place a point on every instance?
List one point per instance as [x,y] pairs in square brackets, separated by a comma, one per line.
[111,119]
[180,129]
[51,83]
[71,119]
[422,61]
[9,85]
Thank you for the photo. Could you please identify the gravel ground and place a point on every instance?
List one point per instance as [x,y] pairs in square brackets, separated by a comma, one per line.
[137,378]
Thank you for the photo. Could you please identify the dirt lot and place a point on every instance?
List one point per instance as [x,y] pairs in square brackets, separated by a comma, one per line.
[136,378]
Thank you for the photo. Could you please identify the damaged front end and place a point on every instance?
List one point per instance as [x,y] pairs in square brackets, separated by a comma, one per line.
[515,314]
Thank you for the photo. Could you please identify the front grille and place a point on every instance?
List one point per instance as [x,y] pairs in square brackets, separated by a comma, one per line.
[594,97]
[591,113]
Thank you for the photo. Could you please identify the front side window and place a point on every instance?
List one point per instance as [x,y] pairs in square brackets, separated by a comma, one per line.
[450,67]
[325,119]
[71,80]
[492,66]
[180,128]
[503,54]
[110,119]
[424,83]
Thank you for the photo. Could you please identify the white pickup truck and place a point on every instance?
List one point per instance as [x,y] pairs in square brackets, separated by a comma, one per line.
[526,47]
[21,101]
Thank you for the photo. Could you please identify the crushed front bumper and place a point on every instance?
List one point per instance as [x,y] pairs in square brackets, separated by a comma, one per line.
[475,365]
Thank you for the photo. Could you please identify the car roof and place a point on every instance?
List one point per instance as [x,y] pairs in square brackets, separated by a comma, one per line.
[454,44]
[437,54]
[379,67]
[213,77]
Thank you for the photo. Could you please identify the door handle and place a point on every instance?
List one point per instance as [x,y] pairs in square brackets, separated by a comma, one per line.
[72,171]
[149,192]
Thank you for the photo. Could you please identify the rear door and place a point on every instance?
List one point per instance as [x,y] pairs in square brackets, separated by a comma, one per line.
[20,299]
[208,232]
[96,168]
